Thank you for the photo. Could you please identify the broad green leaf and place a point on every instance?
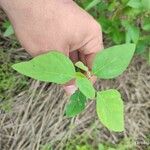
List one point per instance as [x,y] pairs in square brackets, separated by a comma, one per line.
[85,86]
[117,36]
[134,3]
[132,14]
[110,109]
[146,27]
[76,104]
[146,24]
[106,24]
[141,47]
[101,147]
[9,31]
[113,61]
[146,4]
[92,4]
[51,67]
[132,32]
[81,66]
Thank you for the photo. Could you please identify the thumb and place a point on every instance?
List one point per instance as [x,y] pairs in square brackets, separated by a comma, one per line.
[70,87]
[90,49]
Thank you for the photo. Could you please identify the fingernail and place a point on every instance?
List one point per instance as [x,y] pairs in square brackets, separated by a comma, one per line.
[70,89]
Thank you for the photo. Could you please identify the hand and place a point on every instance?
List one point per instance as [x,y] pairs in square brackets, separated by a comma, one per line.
[60,25]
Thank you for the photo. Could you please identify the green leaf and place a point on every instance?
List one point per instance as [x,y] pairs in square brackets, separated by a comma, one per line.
[106,24]
[85,86]
[110,109]
[133,33]
[81,66]
[146,4]
[141,47]
[113,61]
[9,31]
[117,36]
[113,5]
[146,24]
[101,147]
[146,27]
[51,67]
[111,148]
[92,4]
[134,4]
[76,104]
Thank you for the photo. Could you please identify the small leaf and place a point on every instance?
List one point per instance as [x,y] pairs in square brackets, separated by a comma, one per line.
[110,109]
[141,47]
[81,66]
[113,61]
[134,4]
[85,86]
[146,4]
[76,104]
[146,24]
[106,24]
[51,67]
[92,4]
[133,33]
[9,31]
[146,27]
[117,36]
[101,147]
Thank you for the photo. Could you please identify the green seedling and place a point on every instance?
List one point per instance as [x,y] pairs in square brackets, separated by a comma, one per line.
[108,64]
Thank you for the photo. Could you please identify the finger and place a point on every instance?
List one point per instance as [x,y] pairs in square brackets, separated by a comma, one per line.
[91,48]
[82,58]
[70,87]
[74,56]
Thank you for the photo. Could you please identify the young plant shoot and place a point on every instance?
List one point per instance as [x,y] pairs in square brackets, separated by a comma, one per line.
[57,68]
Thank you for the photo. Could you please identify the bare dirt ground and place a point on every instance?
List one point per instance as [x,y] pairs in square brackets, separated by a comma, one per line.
[38,117]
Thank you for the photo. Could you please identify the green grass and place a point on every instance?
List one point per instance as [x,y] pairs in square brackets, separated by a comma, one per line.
[10,83]
[82,142]
[122,21]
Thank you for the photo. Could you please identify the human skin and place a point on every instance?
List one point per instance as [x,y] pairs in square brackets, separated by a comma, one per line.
[44,25]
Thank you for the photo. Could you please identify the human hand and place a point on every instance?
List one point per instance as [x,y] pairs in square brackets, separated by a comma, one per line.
[61,25]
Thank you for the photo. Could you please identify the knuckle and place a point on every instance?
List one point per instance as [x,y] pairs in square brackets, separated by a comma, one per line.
[97,27]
